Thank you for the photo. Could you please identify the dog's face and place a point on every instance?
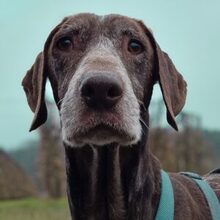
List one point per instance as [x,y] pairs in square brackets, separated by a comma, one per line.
[101,65]
[102,69]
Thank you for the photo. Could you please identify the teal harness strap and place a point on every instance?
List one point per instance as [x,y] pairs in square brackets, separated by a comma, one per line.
[210,195]
[166,205]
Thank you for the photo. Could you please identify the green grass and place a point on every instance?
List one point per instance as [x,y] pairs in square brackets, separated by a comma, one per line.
[34,209]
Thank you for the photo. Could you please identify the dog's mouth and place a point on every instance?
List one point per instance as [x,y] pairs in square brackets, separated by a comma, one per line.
[102,134]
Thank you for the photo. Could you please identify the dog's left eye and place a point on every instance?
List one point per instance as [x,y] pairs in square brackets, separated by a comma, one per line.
[135,46]
[65,43]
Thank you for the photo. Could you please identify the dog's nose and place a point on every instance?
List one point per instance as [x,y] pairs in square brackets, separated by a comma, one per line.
[101,91]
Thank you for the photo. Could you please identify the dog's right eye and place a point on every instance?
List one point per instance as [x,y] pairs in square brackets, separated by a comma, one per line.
[135,47]
[65,44]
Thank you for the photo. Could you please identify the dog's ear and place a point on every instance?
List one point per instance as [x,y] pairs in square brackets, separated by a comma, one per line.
[34,87]
[172,85]
[171,82]
[34,83]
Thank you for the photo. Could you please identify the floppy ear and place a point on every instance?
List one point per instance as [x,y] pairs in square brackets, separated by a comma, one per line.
[172,85]
[34,83]
[171,82]
[34,87]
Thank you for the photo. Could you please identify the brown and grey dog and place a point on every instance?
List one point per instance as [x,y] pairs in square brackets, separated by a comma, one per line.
[102,70]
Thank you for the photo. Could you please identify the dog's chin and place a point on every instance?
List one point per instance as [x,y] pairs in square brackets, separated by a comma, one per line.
[100,136]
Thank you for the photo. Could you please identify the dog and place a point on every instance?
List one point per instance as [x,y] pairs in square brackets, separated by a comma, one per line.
[102,70]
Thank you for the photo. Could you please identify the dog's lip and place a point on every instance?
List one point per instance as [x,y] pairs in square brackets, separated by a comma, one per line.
[93,121]
[102,118]
[101,127]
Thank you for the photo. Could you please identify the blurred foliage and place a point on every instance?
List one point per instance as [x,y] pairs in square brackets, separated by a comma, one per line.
[14,182]
[189,149]
[34,209]
[214,138]
[26,156]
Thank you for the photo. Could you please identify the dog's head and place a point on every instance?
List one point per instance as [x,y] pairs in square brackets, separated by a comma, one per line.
[102,69]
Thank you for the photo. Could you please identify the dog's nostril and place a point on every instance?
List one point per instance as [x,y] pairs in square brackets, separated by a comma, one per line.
[114,92]
[88,91]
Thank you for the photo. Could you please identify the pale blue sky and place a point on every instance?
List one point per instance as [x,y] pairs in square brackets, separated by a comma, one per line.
[188,30]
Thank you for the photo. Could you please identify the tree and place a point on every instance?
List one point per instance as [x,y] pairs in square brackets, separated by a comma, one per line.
[51,159]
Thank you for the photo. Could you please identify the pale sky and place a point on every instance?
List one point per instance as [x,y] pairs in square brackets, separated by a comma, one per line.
[188,30]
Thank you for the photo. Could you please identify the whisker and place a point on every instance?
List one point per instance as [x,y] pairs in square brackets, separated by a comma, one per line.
[141,103]
[60,101]
[142,121]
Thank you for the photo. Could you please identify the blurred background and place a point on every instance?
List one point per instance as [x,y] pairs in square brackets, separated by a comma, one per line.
[187,30]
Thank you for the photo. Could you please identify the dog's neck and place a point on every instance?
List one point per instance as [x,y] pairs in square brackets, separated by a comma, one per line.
[113,182]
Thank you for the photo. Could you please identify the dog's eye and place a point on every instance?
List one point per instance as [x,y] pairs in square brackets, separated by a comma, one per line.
[65,43]
[135,46]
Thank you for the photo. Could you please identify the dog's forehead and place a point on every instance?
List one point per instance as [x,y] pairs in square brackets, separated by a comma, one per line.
[81,20]
[111,22]
[119,21]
